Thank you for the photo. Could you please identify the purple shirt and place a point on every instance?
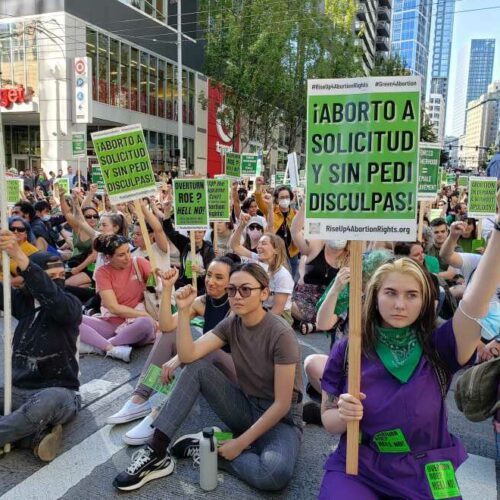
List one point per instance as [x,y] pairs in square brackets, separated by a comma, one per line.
[416,408]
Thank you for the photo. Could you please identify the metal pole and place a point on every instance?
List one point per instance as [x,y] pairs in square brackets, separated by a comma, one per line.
[179,88]
[7,305]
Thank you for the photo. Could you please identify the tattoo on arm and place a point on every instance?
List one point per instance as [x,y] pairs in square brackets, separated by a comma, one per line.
[331,402]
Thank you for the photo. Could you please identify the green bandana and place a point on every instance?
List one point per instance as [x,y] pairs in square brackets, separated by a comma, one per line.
[399,351]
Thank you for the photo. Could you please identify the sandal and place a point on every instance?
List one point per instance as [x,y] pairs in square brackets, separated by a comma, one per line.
[305,328]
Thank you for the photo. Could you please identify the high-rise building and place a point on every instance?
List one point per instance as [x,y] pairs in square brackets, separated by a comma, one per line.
[411,23]
[443,34]
[373,27]
[472,80]
[435,108]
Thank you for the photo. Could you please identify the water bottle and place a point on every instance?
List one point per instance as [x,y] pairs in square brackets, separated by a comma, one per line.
[208,460]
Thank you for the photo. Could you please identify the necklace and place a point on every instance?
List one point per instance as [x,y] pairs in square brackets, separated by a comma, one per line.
[220,305]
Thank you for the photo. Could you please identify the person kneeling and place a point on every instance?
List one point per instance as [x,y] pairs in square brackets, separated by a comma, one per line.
[265,411]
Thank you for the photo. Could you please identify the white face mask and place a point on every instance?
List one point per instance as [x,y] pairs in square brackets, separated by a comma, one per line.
[337,244]
[254,234]
[284,203]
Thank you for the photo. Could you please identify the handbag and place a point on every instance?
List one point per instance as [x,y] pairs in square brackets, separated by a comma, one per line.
[151,299]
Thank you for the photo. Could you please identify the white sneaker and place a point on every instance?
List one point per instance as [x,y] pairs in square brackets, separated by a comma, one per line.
[130,411]
[121,352]
[141,433]
[89,349]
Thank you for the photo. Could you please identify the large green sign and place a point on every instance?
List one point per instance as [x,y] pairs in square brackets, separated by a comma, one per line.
[98,179]
[79,144]
[362,158]
[219,208]
[191,204]
[482,196]
[15,189]
[463,181]
[125,164]
[280,178]
[428,171]
[451,179]
[249,164]
[232,165]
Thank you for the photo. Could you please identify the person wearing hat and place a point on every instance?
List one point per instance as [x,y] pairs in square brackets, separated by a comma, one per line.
[44,353]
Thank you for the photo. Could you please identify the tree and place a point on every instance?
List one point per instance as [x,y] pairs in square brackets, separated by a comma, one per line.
[389,66]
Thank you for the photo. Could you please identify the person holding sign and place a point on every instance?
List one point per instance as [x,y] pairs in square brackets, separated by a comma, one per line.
[265,411]
[404,358]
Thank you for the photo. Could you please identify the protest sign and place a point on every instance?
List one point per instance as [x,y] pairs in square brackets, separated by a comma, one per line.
[442,176]
[79,144]
[434,213]
[219,209]
[293,170]
[15,189]
[362,158]
[428,171]
[279,178]
[482,196]
[98,179]
[126,167]
[64,182]
[153,380]
[249,165]
[232,165]
[191,204]
[451,179]
[463,181]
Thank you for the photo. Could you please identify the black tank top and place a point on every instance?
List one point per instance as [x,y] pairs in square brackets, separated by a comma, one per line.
[318,271]
[215,311]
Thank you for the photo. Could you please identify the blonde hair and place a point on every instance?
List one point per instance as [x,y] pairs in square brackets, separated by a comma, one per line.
[280,258]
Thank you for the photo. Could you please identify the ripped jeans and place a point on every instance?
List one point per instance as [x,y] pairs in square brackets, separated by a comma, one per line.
[34,412]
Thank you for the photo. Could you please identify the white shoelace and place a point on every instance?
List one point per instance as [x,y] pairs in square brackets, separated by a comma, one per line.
[139,458]
[194,453]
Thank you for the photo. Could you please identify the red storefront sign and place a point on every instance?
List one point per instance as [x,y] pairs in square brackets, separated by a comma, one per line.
[219,138]
[15,95]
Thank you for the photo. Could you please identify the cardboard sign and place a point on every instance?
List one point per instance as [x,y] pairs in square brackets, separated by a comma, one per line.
[191,204]
[362,158]
[219,206]
[279,178]
[79,144]
[98,179]
[293,170]
[64,182]
[463,181]
[428,171]
[249,165]
[232,165]
[482,197]
[125,163]
[15,189]
[434,213]
[451,179]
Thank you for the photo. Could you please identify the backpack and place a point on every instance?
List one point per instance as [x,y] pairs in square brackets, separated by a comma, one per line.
[477,390]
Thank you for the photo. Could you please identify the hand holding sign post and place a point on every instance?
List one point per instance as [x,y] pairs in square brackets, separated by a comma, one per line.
[362,159]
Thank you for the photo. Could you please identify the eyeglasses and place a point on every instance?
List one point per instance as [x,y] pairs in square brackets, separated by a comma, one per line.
[17,229]
[254,226]
[96,217]
[244,290]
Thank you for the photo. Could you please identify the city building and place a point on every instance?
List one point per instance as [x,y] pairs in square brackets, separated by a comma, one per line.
[472,79]
[411,23]
[482,125]
[441,52]
[373,27]
[451,146]
[435,109]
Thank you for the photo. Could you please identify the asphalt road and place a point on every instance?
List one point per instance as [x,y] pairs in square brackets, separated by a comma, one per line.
[94,453]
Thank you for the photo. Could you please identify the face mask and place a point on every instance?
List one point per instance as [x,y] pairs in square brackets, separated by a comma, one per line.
[59,282]
[337,244]
[46,218]
[284,203]
[254,234]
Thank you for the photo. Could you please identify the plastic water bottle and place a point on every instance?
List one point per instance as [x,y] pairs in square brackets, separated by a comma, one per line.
[208,460]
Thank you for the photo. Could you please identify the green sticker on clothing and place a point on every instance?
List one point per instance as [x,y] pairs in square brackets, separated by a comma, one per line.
[152,379]
[392,441]
[442,480]
[222,437]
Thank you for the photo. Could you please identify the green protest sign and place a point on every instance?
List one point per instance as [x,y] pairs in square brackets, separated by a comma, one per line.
[434,213]
[450,179]
[249,164]
[64,182]
[79,144]
[232,165]
[280,178]
[219,208]
[98,179]
[153,380]
[15,188]
[463,181]
[362,158]
[442,176]
[126,167]
[482,196]
[428,171]
[191,203]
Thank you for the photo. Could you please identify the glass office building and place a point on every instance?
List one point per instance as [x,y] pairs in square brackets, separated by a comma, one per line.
[410,35]
[481,60]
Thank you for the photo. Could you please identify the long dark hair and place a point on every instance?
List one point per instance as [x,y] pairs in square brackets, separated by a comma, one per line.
[107,244]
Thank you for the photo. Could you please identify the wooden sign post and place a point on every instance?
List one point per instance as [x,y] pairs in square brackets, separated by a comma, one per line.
[193,257]
[145,234]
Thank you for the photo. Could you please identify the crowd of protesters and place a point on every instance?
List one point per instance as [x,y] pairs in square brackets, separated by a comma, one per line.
[83,284]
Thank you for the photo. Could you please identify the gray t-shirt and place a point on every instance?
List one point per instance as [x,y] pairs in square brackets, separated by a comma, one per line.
[256,349]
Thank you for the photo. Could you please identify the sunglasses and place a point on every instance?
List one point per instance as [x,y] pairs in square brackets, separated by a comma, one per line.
[96,217]
[254,226]
[244,290]
[17,229]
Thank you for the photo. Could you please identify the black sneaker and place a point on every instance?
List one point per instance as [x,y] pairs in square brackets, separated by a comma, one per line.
[188,446]
[311,413]
[145,466]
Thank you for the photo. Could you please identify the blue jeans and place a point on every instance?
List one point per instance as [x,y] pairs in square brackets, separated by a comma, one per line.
[270,461]
[294,265]
[35,411]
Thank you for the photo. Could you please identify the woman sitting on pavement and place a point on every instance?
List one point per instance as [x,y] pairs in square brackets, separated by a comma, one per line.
[265,411]
[271,254]
[213,308]
[406,370]
[124,321]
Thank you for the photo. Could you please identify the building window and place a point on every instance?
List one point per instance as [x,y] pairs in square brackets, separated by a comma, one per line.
[162,77]
[103,78]
[114,72]
[144,82]
[153,85]
[134,79]
[124,75]
[92,54]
